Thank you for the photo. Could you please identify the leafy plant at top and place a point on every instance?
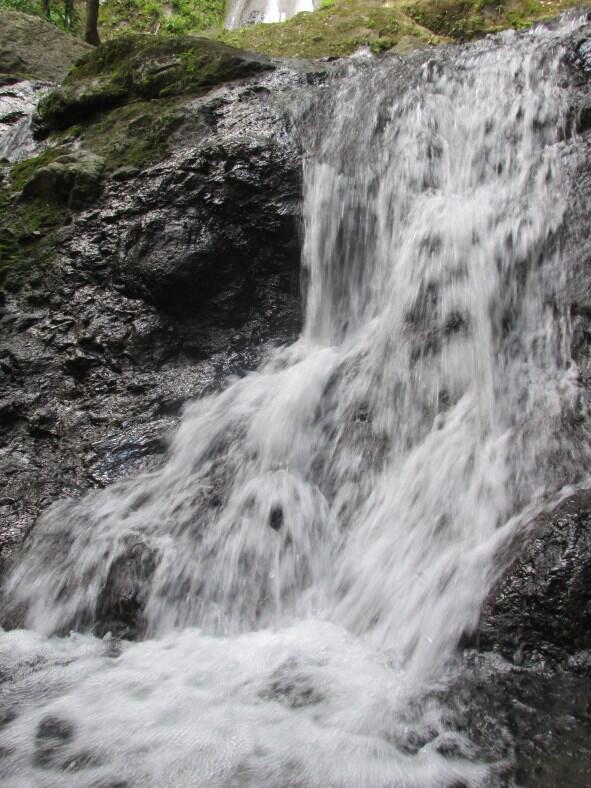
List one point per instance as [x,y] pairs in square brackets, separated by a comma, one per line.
[65,16]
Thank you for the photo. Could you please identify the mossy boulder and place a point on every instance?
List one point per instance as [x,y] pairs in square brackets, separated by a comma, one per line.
[68,105]
[32,47]
[72,179]
[464,20]
[143,67]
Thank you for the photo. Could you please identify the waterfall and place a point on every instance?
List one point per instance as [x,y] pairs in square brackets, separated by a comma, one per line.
[248,12]
[17,104]
[325,529]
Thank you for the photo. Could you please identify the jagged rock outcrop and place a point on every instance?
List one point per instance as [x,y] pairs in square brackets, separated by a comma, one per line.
[541,607]
[147,287]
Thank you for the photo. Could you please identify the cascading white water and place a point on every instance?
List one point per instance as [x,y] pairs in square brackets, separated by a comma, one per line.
[17,104]
[245,12]
[325,528]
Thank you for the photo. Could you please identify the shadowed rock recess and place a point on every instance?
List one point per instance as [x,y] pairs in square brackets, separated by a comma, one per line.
[150,250]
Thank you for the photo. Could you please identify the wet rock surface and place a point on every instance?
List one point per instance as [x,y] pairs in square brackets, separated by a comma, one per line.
[533,723]
[18,99]
[119,609]
[177,276]
[541,607]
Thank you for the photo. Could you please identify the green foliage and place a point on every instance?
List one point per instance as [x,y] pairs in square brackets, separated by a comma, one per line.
[382,44]
[337,28]
[57,13]
[188,15]
[151,16]
[462,20]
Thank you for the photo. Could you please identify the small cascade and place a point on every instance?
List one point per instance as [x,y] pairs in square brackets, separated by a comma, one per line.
[18,100]
[250,12]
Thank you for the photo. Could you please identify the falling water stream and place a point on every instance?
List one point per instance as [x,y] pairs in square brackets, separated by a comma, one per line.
[248,12]
[325,528]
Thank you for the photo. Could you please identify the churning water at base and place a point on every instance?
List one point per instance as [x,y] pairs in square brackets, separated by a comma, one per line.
[324,530]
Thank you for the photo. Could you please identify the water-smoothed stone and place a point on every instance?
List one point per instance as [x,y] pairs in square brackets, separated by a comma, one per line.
[120,605]
[53,734]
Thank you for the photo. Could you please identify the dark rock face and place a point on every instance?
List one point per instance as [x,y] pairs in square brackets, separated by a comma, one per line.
[176,277]
[542,604]
[119,610]
[533,724]
[208,232]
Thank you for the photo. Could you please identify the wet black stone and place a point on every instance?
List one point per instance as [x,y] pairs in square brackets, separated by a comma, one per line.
[53,733]
[542,603]
[120,605]
[292,687]
[54,728]
[276,518]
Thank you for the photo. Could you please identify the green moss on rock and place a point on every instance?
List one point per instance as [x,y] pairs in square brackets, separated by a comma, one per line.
[41,194]
[339,27]
[336,29]
[21,173]
[27,230]
[135,135]
[463,20]
[143,67]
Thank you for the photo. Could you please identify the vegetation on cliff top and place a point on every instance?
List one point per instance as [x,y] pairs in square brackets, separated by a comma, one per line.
[337,28]
[130,16]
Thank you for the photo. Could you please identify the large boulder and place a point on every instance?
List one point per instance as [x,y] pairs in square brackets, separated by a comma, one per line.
[32,48]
